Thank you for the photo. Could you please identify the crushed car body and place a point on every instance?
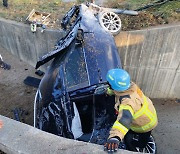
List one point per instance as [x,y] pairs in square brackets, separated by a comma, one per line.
[74,85]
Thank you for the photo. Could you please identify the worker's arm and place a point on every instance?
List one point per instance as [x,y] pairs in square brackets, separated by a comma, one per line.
[123,122]
[120,127]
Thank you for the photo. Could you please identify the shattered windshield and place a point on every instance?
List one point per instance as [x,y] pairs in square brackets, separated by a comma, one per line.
[75,69]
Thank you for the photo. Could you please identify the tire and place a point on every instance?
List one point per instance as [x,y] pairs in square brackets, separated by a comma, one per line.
[150,147]
[110,22]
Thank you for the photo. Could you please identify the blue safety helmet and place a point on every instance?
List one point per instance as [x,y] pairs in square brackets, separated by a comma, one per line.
[119,79]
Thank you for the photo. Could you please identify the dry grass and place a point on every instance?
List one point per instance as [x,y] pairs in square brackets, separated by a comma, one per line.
[162,14]
[18,10]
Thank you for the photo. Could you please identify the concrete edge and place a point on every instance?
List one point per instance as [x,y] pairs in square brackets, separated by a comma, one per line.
[12,22]
[155,27]
[16,137]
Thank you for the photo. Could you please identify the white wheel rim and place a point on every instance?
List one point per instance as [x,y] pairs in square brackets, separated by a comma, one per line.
[110,22]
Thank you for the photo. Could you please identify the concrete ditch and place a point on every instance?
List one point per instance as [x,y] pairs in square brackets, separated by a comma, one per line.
[151,56]
[14,94]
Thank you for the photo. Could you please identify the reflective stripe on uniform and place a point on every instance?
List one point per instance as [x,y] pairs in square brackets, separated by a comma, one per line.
[120,127]
[145,127]
[148,113]
[126,107]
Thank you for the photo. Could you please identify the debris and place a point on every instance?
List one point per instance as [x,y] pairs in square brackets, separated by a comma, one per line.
[39,73]
[178,10]
[4,65]
[177,101]
[5,3]
[31,81]
[18,113]
[69,0]
[33,27]
[43,28]
[38,19]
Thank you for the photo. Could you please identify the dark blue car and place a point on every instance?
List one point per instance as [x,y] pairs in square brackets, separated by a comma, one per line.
[71,101]
[75,82]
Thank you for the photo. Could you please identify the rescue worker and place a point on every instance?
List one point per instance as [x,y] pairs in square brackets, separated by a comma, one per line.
[136,113]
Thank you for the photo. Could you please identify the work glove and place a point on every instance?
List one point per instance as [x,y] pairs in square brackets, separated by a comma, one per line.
[109,91]
[112,144]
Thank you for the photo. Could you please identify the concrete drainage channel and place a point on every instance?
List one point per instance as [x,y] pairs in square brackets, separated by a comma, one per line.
[14,93]
[148,55]
[150,67]
[16,137]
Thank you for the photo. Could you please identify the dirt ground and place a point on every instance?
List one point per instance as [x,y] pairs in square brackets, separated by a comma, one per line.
[15,94]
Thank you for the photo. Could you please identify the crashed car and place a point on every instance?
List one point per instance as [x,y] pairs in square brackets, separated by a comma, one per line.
[71,100]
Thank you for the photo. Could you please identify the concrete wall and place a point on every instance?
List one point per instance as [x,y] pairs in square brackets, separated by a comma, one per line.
[19,138]
[21,42]
[151,56]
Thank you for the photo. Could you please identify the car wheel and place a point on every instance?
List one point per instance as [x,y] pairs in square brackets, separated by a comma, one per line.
[150,147]
[110,22]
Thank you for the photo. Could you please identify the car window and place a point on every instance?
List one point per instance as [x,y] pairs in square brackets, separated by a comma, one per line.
[75,68]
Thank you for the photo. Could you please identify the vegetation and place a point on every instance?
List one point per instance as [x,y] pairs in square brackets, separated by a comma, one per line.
[157,15]
[161,14]
[19,10]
